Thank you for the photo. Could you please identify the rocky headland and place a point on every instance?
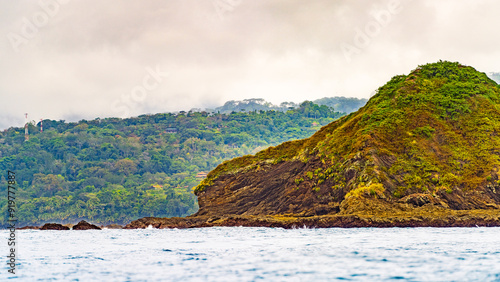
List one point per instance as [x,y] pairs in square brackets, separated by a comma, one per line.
[424,151]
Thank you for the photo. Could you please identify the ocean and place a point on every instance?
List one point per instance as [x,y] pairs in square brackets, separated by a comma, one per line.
[257,254]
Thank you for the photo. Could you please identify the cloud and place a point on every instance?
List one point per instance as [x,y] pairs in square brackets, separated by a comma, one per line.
[90,58]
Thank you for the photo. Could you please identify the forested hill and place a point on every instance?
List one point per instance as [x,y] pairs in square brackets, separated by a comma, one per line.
[424,151]
[116,170]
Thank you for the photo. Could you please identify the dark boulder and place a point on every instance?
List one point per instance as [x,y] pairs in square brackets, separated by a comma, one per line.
[417,199]
[53,226]
[83,225]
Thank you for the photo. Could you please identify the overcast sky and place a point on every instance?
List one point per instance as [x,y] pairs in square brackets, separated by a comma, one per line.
[76,59]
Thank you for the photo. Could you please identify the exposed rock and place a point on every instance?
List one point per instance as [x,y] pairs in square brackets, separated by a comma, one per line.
[420,218]
[83,225]
[53,226]
[29,227]
[417,199]
[174,222]
[112,226]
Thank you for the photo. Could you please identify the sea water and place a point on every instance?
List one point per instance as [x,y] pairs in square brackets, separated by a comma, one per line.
[257,254]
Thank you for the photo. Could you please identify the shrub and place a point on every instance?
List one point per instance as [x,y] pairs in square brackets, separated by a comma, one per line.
[310,174]
[372,190]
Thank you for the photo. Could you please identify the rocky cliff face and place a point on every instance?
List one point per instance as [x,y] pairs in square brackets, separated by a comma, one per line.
[427,138]
[424,151]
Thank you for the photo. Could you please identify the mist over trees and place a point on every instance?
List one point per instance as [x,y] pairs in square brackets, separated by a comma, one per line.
[340,104]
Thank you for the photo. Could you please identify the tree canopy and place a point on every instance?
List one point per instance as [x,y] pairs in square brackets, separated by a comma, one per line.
[116,170]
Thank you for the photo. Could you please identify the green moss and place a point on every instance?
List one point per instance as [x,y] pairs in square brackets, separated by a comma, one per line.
[424,131]
[203,185]
[310,174]
[317,171]
[372,190]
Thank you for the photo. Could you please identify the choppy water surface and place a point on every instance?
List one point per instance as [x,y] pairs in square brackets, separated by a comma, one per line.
[250,254]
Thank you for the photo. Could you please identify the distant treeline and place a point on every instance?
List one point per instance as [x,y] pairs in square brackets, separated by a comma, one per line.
[340,104]
[116,170]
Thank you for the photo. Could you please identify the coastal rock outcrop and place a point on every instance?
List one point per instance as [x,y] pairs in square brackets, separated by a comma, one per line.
[83,225]
[424,151]
[53,226]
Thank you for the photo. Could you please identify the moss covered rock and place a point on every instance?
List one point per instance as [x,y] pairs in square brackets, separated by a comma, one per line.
[427,138]
[424,151]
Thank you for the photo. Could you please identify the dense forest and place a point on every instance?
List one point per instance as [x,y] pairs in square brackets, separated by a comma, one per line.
[116,170]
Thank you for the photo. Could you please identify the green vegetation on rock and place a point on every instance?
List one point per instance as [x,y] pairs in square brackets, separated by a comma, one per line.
[434,131]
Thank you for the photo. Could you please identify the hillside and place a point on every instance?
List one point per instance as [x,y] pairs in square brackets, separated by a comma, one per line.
[117,170]
[424,151]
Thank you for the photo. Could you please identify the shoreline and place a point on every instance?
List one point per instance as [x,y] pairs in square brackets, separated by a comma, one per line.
[460,218]
[416,218]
